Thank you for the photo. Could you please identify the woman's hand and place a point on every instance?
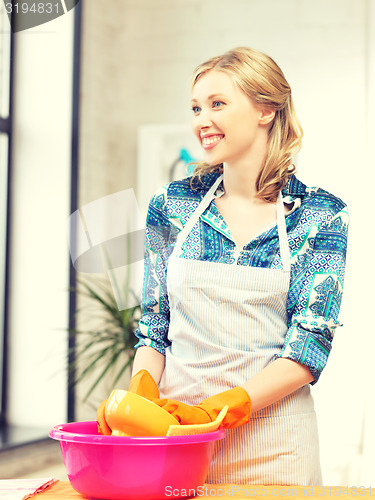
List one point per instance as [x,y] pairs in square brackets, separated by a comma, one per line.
[147,358]
[101,422]
[185,414]
[237,399]
[278,379]
[144,385]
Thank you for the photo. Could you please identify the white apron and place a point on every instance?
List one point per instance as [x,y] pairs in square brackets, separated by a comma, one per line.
[227,322]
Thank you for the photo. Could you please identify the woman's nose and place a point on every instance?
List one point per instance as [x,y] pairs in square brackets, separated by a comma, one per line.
[203,119]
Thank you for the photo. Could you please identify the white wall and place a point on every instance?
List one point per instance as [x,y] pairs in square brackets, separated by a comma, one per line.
[367,464]
[40,207]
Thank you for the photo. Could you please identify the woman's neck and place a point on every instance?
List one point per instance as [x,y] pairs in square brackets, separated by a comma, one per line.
[240,180]
[241,173]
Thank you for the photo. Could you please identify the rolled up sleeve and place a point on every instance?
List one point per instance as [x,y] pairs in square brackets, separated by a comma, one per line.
[153,326]
[315,316]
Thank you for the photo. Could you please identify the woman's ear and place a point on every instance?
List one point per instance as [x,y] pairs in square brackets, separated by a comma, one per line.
[267,115]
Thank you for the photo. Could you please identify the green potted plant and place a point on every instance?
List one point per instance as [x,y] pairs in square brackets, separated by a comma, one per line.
[104,344]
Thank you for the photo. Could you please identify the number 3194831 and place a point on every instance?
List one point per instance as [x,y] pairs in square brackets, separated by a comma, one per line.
[33,8]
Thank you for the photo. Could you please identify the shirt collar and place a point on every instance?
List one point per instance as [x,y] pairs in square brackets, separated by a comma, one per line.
[293,188]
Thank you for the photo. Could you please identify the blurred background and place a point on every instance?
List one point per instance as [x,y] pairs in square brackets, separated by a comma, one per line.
[96,102]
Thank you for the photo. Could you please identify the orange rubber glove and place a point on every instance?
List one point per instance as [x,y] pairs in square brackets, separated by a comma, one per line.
[101,421]
[142,384]
[237,399]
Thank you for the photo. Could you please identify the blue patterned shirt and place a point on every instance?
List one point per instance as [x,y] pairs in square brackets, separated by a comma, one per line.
[317,228]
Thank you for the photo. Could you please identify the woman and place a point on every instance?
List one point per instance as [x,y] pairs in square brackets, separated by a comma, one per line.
[244,270]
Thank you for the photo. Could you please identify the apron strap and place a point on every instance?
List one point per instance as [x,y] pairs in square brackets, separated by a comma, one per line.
[196,214]
[283,235]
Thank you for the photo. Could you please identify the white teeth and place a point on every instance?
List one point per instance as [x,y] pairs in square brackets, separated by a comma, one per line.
[210,140]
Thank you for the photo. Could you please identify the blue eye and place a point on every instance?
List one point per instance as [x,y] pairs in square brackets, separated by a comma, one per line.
[195,109]
[217,104]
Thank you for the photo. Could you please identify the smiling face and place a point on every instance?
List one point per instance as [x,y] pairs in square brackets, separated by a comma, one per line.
[229,125]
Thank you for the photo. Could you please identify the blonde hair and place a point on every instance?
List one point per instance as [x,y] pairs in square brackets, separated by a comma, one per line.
[262,81]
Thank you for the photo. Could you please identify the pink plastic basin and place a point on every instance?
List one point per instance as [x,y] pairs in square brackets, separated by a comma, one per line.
[130,468]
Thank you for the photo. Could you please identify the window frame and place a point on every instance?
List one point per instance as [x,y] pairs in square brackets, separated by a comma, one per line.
[6,127]
[74,196]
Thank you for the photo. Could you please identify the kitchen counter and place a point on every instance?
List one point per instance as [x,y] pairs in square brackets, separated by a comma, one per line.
[63,491]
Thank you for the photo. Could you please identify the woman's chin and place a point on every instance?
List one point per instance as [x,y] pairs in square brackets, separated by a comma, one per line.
[212,160]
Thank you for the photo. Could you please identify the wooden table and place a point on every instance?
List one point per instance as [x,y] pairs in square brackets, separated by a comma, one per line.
[63,491]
